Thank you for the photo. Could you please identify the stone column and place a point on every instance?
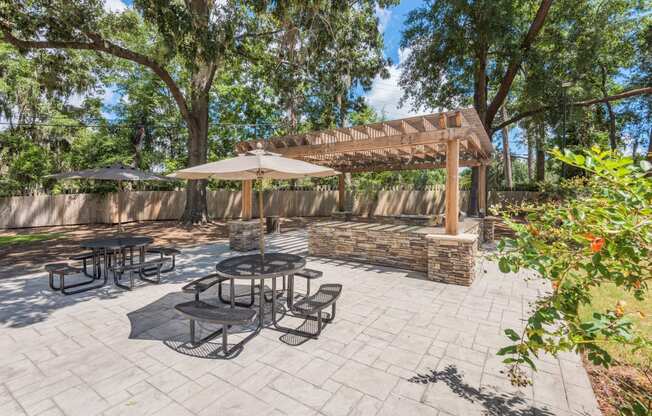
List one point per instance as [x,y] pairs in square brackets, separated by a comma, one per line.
[244,235]
[488,228]
[451,258]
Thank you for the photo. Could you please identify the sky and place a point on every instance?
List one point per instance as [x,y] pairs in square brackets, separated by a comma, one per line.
[385,95]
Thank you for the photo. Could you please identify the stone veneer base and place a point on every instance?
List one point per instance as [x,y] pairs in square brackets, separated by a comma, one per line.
[451,258]
[384,244]
[445,258]
[244,235]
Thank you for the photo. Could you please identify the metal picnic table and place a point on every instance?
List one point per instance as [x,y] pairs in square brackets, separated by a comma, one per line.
[256,267]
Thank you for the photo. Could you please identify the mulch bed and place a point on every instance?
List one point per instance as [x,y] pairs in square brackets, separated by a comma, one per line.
[20,259]
[612,385]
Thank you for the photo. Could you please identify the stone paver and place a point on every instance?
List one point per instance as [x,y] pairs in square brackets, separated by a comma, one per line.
[400,345]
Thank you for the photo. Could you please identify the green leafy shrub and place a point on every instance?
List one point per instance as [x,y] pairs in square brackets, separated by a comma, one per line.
[598,233]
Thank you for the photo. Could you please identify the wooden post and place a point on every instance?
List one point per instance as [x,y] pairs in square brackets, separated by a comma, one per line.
[458,119]
[452,186]
[442,121]
[342,194]
[482,188]
[247,199]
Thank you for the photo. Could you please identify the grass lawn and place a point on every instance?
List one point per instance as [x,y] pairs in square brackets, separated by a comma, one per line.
[605,298]
[10,240]
[632,371]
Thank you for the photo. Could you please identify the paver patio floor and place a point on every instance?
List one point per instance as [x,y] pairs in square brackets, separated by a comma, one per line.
[400,345]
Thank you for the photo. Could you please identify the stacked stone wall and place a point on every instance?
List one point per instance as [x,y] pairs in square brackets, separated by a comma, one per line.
[244,235]
[451,259]
[399,246]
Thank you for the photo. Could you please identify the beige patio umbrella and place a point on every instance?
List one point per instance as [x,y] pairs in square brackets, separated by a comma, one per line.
[118,172]
[257,164]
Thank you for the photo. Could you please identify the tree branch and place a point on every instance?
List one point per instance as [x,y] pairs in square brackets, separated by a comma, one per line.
[101,45]
[515,62]
[585,103]
[258,34]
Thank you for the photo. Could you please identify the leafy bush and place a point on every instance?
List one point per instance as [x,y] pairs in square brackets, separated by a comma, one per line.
[599,233]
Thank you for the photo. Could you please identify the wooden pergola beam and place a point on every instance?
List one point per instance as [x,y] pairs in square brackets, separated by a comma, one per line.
[465,118]
[398,167]
[430,137]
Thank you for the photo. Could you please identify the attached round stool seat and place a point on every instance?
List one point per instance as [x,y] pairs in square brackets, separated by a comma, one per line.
[309,274]
[163,252]
[166,251]
[62,270]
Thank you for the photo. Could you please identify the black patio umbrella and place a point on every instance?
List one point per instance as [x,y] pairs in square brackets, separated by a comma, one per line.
[118,172]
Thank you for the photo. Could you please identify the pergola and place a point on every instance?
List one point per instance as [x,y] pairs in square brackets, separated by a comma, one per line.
[449,140]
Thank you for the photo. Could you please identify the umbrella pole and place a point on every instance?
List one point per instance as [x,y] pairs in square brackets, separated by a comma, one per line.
[119,207]
[262,224]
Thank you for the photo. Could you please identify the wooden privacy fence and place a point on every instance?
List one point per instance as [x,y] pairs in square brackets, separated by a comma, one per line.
[71,209]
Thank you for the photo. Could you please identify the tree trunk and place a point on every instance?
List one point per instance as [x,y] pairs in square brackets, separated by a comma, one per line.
[515,63]
[480,105]
[613,142]
[610,111]
[196,210]
[529,155]
[507,157]
[473,209]
[341,111]
[292,114]
[649,147]
[541,154]
[137,145]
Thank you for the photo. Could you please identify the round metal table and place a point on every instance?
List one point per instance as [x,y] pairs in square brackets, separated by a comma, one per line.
[257,267]
[105,247]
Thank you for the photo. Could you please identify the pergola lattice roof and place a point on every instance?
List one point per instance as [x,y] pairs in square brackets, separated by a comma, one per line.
[409,143]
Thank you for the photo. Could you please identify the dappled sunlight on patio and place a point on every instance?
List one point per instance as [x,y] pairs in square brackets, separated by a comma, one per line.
[400,344]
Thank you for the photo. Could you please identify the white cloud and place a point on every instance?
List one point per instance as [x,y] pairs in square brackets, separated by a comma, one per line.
[76,99]
[383,16]
[110,95]
[385,94]
[115,6]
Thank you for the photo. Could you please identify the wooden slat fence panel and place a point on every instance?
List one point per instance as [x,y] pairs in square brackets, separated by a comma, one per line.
[70,209]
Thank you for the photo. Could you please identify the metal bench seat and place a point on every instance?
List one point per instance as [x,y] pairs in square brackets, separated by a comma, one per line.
[204,283]
[64,269]
[163,252]
[138,266]
[202,311]
[325,296]
[121,269]
[197,310]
